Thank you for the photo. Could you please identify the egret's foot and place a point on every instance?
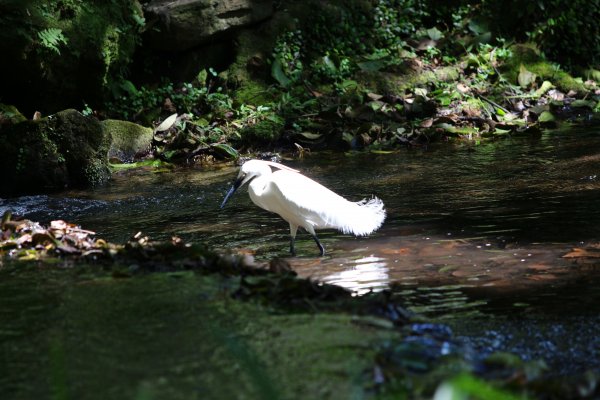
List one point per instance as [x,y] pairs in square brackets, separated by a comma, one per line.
[292,248]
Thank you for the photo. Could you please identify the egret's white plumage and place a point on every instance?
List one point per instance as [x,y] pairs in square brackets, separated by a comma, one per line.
[305,203]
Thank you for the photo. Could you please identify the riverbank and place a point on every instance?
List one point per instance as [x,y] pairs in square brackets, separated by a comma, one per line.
[302,79]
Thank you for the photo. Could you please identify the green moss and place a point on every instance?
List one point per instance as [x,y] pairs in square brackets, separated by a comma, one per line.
[316,356]
[128,140]
[524,53]
[95,172]
[528,56]
[189,339]
[83,144]
[393,83]
[561,79]
[265,131]
[9,114]
[447,74]
[254,47]
[253,92]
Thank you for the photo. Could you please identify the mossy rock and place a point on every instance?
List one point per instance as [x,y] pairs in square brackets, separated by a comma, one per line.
[9,115]
[525,53]
[251,70]
[265,131]
[66,149]
[253,92]
[129,141]
[529,57]
[392,83]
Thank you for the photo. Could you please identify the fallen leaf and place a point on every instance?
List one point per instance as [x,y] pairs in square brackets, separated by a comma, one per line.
[310,136]
[546,116]
[401,251]
[545,277]
[556,95]
[525,78]
[167,123]
[546,86]
[427,123]
[374,96]
[65,248]
[41,238]
[58,225]
[462,88]
[23,239]
[579,253]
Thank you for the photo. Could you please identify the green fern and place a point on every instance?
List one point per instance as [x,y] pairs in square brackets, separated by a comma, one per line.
[51,38]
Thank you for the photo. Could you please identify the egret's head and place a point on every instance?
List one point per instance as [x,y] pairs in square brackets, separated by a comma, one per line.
[250,169]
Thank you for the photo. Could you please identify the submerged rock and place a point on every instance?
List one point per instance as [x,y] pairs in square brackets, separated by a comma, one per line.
[66,149]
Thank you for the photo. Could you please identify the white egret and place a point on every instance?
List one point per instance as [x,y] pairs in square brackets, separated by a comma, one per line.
[305,203]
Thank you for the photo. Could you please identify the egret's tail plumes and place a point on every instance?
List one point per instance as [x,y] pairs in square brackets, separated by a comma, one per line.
[363,217]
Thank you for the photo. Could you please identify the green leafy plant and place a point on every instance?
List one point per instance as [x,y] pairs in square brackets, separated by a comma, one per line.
[336,40]
[52,38]
[287,66]
[567,31]
[87,110]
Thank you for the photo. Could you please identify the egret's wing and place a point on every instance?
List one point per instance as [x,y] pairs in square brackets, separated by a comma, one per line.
[280,166]
[303,201]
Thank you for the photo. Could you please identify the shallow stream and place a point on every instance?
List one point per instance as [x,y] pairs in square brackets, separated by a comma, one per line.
[475,234]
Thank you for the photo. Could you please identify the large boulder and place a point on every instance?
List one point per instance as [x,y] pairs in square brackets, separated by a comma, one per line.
[183,24]
[66,149]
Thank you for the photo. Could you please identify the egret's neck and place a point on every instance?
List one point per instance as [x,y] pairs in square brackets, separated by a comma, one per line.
[258,185]
[257,188]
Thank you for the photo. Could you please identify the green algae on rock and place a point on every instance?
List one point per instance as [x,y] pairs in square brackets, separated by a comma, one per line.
[129,141]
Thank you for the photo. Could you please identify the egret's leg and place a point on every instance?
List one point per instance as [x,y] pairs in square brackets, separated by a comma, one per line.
[321,248]
[293,230]
[312,232]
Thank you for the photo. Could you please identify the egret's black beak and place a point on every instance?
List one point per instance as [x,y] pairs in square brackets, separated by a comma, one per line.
[236,185]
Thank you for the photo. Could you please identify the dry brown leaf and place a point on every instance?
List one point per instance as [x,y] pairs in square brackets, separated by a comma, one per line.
[462,88]
[374,96]
[427,123]
[580,253]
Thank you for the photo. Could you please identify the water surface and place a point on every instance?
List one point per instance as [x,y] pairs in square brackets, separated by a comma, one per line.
[475,234]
